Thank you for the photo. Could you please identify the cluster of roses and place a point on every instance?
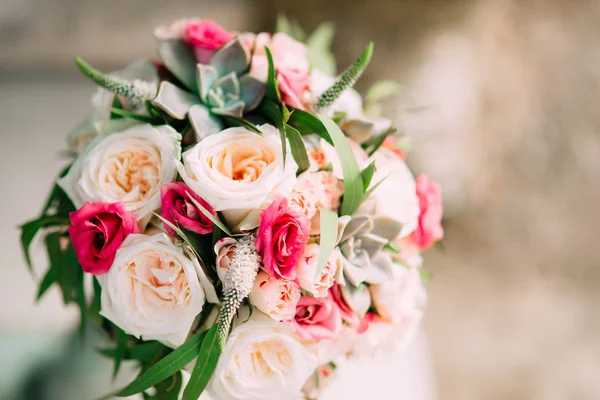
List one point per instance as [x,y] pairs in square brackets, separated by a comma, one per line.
[136,193]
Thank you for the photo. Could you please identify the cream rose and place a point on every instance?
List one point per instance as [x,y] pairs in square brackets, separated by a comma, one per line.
[128,167]
[262,360]
[318,284]
[152,290]
[396,196]
[275,297]
[238,170]
[401,300]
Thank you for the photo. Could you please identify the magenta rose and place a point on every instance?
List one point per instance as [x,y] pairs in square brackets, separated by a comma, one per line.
[97,231]
[281,238]
[429,229]
[205,37]
[317,318]
[178,209]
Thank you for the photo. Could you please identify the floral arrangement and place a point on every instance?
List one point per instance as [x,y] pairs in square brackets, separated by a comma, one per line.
[235,212]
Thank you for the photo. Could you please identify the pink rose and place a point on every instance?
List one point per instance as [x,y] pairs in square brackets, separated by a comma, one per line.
[97,230]
[178,209]
[429,229]
[282,237]
[318,284]
[275,297]
[293,83]
[317,318]
[205,36]
[291,63]
[348,315]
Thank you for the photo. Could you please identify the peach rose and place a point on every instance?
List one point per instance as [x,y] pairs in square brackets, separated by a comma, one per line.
[275,297]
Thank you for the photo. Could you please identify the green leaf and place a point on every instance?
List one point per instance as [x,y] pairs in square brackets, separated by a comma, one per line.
[179,232]
[270,110]
[166,367]
[58,198]
[374,143]
[119,351]
[298,149]
[242,122]
[308,124]
[425,275]
[272,85]
[80,299]
[50,278]
[215,220]
[169,388]
[367,175]
[372,188]
[382,89]
[116,104]
[290,28]
[140,352]
[329,226]
[208,356]
[137,117]
[319,48]
[353,184]
[346,80]
[30,229]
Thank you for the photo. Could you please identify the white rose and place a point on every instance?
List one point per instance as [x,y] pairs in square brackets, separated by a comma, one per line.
[262,360]
[318,284]
[275,297]
[152,290]
[238,170]
[128,167]
[396,196]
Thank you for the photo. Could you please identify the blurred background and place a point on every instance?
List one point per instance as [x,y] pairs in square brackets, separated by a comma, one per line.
[501,103]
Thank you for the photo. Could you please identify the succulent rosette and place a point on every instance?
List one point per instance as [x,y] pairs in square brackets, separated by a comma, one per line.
[243,216]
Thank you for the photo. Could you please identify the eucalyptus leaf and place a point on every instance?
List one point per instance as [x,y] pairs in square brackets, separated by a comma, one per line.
[367,175]
[166,367]
[329,232]
[272,85]
[298,149]
[353,183]
[208,356]
[319,48]
[307,124]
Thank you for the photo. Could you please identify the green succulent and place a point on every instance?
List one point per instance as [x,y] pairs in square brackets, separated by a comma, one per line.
[361,239]
[220,88]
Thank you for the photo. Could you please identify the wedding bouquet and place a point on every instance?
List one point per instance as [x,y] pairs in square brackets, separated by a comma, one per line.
[235,211]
